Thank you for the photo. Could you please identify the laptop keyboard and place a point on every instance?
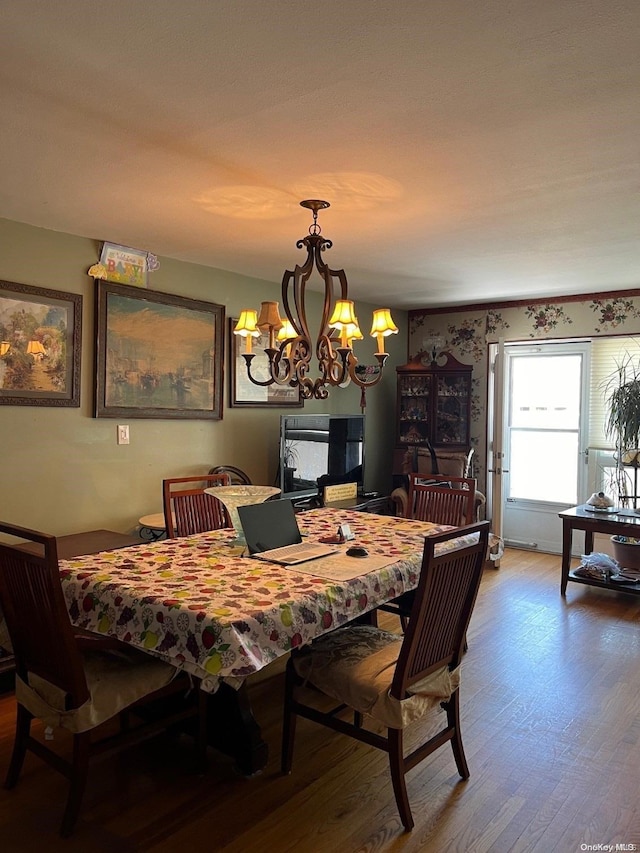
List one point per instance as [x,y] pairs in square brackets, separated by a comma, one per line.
[298,551]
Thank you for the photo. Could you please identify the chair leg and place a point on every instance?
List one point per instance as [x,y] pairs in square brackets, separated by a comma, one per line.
[453,720]
[289,720]
[79,768]
[396,765]
[23,728]
[201,731]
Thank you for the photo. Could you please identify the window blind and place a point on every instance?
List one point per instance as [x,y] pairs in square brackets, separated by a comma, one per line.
[606,355]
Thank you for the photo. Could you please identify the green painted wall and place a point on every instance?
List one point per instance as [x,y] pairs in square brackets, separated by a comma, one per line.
[62,470]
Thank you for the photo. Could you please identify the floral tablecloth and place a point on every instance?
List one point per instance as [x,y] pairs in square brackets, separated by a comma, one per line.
[220,616]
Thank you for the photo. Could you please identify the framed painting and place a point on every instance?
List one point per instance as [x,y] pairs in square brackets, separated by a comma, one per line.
[242,392]
[40,341]
[157,355]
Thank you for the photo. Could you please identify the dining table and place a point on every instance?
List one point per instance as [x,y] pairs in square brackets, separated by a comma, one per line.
[221,615]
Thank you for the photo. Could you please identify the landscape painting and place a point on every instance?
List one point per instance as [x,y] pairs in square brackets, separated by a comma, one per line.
[157,355]
[40,339]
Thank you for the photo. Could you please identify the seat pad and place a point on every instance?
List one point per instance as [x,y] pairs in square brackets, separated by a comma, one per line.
[356,665]
[115,681]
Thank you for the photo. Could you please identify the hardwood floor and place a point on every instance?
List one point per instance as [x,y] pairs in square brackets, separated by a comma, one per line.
[551,727]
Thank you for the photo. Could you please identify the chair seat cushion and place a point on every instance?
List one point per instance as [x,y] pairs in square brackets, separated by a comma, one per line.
[356,665]
[115,681]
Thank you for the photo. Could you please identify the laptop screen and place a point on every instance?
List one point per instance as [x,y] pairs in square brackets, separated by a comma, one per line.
[268,525]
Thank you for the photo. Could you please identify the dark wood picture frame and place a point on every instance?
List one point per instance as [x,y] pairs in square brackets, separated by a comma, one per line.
[242,392]
[157,355]
[40,346]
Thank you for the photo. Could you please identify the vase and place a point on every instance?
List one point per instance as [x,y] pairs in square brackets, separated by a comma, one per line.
[234,496]
[626,551]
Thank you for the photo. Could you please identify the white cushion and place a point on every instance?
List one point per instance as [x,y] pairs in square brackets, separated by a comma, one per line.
[356,665]
[115,681]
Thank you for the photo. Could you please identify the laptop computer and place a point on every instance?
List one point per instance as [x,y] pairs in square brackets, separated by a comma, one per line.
[272,533]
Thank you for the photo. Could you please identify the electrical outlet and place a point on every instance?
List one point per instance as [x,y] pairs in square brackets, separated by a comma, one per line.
[123,433]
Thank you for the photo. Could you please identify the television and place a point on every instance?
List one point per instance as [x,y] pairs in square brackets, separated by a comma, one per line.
[318,451]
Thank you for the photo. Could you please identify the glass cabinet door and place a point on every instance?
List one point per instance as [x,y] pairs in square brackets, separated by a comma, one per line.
[434,403]
[414,409]
[452,409]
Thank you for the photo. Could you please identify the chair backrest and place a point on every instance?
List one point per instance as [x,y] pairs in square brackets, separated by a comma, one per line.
[420,461]
[442,499]
[443,603]
[187,507]
[238,477]
[37,619]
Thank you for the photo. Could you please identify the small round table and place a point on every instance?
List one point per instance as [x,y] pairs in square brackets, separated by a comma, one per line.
[152,527]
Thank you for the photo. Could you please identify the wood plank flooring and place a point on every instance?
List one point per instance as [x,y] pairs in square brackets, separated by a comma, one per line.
[551,726]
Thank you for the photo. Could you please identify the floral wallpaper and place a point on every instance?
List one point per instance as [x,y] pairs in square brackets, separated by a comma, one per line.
[468,333]
[614,313]
[546,319]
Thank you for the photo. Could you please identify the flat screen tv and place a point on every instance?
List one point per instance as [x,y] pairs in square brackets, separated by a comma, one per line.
[318,451]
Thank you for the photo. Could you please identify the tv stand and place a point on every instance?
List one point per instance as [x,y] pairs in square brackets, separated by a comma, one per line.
[373,502]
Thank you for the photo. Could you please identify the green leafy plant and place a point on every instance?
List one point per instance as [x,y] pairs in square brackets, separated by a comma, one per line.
[622,424]
[622,395]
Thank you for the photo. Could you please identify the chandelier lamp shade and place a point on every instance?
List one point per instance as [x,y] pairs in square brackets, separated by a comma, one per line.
[291,347]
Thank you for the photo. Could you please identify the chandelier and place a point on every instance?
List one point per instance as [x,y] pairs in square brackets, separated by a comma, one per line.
[291,347]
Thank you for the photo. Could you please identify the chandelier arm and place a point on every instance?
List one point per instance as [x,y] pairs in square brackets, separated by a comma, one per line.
[248,357]
[282,367]
[353,364]
[330,278]
[320,390]
[295,280]
[335,365]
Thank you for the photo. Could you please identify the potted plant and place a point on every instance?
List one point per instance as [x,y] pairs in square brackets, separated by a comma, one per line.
[622,395]
[290,459]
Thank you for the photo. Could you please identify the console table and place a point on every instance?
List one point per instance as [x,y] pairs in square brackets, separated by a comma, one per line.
[623,523]
[374,503]
[89,542]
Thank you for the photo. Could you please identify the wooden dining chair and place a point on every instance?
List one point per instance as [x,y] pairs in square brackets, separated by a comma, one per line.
[442,499]
[396,680]
[76,680]
[188,509]
[238,476]
[439,499]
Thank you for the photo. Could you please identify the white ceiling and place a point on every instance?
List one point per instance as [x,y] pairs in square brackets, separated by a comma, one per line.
[471,151]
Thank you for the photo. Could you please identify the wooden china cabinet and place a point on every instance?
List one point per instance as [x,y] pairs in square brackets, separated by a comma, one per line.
[434,403]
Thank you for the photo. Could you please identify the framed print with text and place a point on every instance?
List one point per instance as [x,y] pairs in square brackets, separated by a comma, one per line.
[242,392]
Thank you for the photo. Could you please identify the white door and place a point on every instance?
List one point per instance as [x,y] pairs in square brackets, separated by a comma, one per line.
[544,461]
[495,442]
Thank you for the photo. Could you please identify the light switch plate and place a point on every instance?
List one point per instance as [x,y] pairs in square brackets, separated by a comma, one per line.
[123,433]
